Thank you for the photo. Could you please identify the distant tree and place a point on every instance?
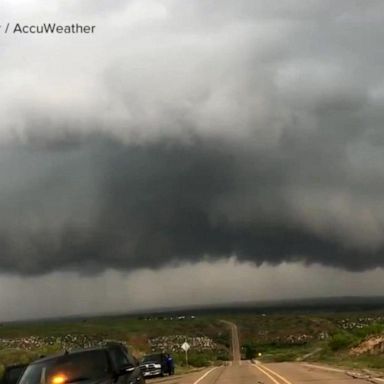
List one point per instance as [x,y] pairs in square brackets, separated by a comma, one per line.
[250,351]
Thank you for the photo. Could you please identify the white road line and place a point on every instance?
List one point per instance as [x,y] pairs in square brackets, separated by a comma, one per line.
[204,376]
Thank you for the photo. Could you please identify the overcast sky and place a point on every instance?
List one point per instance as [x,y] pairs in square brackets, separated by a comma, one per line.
[190,152]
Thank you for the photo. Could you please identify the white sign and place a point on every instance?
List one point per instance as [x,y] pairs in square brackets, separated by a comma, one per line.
[185,346]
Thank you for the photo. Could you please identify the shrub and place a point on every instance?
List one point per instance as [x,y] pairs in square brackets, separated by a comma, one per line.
[250,351]
[341,340]
[372,329]
[223,355]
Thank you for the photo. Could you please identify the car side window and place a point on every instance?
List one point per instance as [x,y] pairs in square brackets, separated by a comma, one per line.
[119,358]
[132,360]
[137,362]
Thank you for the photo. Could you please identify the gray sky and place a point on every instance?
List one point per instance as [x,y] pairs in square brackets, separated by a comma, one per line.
[201,283]
[182,136]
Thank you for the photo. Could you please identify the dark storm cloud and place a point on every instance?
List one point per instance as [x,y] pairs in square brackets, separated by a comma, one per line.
[190,131]
[102,204]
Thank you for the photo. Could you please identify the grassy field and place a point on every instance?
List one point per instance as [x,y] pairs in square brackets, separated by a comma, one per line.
[317,337]
[33,339]
[114,327]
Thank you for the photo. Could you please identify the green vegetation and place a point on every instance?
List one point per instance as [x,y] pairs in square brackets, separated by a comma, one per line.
[341,340]
[200,359]
[317,337]
[250,351]
[134,331]
[119,327]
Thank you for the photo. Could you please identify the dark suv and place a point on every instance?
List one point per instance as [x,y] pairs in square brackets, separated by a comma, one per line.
[103,365]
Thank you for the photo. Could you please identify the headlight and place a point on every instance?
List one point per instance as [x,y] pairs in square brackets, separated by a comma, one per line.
[157,366]
[59,379]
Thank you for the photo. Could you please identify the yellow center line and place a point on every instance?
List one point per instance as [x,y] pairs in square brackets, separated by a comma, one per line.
[265,370]
[267,374]
[277,375]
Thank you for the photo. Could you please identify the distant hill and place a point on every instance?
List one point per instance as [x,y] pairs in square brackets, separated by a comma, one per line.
[320,304]
[334,304]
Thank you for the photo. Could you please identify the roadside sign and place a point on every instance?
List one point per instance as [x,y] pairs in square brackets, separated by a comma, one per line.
[185,346]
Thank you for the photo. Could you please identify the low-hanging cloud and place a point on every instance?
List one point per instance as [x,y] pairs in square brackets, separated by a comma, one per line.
[203,132]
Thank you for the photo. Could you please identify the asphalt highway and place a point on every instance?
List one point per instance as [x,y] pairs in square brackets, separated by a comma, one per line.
[246,372]
[236,356]
[276,373]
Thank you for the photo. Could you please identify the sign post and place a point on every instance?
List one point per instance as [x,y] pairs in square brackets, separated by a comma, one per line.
[186,347]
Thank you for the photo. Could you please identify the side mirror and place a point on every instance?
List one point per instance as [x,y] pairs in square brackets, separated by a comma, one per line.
[126,369]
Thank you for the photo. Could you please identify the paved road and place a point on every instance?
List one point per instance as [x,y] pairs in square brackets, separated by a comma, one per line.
[236,356]
[245,372]
[276,373]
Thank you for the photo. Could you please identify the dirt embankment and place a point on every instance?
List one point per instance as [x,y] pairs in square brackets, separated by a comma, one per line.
[373,345]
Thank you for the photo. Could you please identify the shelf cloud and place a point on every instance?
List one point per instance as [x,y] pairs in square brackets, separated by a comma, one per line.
[183,132]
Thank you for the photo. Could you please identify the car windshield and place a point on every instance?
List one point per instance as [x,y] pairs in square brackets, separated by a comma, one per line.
[68,369]
[152,358]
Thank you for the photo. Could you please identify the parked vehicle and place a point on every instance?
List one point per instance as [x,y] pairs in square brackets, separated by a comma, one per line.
[103,365]
[154,365]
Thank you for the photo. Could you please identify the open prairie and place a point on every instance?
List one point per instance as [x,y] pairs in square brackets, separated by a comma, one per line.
[350,337]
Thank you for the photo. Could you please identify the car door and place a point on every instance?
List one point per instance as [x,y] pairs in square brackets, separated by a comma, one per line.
[126,366]
[139,378]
